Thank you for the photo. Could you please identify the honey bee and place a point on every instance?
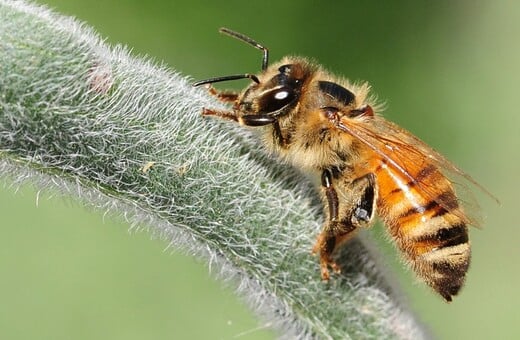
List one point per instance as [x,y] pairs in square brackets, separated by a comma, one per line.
[368,165]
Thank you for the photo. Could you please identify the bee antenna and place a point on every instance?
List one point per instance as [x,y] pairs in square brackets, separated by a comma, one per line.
[226,78]
[246,39]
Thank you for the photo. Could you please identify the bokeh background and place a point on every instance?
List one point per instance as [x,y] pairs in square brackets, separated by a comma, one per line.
[449,72]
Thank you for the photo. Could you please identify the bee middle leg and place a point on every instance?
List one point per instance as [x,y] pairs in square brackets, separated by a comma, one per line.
[341,226]
[334,231]
[333,234]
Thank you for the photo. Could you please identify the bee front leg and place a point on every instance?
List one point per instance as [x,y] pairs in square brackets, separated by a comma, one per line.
[229,115]
[223,96]
[249,120]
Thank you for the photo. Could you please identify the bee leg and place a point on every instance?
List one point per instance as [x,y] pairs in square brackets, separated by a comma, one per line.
[256,120]
[338,229]
[327,240]
[223,96]
[230,115]
[282,141]
[325,246]
[363,211]
[249,120]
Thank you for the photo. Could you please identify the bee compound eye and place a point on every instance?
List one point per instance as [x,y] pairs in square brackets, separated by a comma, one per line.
[276,99]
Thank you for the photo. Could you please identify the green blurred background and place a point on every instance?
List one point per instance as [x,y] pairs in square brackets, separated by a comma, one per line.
[449,72]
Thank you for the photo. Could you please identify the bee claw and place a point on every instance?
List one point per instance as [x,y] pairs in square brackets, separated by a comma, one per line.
[325,273]
[325,276]
[335,267]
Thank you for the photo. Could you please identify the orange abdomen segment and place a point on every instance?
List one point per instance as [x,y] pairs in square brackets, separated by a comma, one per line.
[426,222]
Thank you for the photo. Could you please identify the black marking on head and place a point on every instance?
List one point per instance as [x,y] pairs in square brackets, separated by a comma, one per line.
[337,92]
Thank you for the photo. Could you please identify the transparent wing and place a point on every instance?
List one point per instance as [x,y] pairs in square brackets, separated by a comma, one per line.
[407,153]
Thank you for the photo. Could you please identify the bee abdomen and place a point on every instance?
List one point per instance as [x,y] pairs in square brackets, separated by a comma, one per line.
[442,258]
[429,229]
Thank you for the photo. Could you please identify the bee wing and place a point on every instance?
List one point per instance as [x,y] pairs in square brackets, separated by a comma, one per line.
[404,152]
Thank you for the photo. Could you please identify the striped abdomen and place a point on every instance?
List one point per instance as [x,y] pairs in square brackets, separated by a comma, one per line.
[425,220]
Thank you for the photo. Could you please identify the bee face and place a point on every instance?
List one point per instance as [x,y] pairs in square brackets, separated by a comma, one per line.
[367,165]
[277,93]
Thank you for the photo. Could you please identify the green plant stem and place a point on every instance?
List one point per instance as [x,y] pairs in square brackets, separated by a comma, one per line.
[125,135]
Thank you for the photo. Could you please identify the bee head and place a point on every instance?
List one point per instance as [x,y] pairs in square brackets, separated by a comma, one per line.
[273,92]
[277,94]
